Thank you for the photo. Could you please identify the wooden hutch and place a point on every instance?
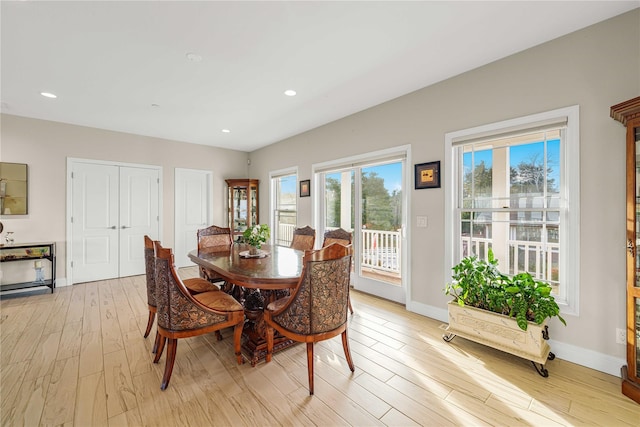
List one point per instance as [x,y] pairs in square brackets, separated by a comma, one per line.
[628,113]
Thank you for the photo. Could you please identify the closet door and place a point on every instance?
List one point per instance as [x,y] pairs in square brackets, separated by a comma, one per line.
[113,207]
[95,222]
[139,215]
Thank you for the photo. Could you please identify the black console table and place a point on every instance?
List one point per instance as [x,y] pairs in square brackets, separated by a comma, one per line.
[35,252]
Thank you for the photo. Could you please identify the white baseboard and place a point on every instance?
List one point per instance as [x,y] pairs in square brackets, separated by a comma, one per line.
[437,313]
[591,359]
[61,282]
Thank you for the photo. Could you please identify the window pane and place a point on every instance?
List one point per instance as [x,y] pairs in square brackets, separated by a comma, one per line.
[285,211]
[477,169]
[286,193]
[337,186]
[332,200]
[527,169]
[382,197]
[553,170]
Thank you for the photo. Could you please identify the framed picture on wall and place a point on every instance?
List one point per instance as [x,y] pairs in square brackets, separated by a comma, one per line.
[305,188]
[427,175]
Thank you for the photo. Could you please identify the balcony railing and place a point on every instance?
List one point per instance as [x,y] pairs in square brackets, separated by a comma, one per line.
[540,260]
[285,221]
[381,250]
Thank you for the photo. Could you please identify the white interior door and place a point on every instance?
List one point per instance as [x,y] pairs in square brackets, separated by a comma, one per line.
[112,207]
[139,216]
[193,210]
[94,222]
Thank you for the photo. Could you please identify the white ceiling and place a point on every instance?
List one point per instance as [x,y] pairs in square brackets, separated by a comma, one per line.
[108,62]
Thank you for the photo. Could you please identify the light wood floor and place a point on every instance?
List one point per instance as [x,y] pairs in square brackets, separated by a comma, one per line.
[77,357]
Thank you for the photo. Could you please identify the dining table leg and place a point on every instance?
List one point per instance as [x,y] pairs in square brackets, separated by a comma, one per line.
[254,343]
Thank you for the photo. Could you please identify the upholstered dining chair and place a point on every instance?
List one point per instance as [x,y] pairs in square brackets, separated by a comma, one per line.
[316,310]
[181,314]
[303,238]
[213,239]
[150,273]
[338,236]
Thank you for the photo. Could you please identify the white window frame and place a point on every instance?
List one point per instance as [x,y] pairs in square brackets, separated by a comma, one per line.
[273,176]
[568,296]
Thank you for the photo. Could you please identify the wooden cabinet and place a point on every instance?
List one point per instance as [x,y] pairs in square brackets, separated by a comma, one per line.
[243,205]
[628,113]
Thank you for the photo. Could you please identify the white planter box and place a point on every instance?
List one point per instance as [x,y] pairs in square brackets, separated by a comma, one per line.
[499,331]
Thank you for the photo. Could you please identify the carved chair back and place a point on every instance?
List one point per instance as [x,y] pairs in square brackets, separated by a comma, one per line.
[337,236]
[150,270]
[303,238]
[214,238]
[177,308]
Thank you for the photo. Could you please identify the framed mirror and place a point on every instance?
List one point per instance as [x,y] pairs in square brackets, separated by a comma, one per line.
[13,189]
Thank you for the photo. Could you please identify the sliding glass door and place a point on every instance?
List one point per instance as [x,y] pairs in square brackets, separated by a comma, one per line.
[368,200]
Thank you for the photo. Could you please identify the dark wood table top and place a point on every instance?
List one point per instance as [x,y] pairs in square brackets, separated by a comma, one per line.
[280,269]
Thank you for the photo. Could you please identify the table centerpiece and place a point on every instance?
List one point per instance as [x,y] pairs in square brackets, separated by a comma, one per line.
[255,236]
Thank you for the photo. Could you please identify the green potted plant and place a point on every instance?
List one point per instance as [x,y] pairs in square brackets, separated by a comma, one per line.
[507,313]
[255,236]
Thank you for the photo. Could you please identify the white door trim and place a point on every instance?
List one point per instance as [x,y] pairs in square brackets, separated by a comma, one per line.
[68,225]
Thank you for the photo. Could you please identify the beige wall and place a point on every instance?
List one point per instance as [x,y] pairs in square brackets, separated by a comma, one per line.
[45,147]
[593,68]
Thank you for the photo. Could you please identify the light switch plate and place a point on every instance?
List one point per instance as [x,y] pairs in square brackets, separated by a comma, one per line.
[421,221]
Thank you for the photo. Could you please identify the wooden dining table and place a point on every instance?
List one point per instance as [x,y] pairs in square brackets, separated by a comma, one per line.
[254,282]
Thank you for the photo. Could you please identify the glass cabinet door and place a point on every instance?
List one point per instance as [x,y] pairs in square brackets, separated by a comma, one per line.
[253,204]
[240,209]
[243,205]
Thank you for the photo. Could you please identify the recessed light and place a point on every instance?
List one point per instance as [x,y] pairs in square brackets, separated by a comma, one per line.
[194,57]
[48,95]
[226,131]
[290,92]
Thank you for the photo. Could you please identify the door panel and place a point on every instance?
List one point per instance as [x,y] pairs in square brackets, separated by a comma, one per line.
[95,222]
[193,211]
[368,201]
[139,216]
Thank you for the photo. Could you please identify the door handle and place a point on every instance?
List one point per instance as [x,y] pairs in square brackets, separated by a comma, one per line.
[124,226]
[113,227]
